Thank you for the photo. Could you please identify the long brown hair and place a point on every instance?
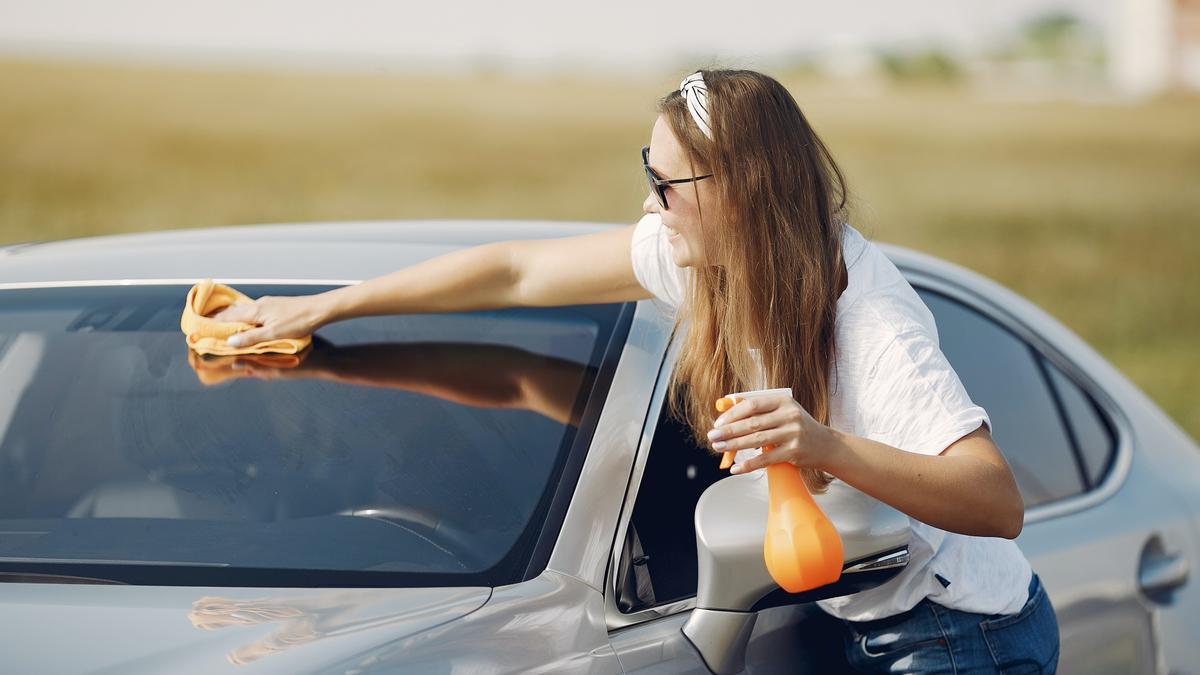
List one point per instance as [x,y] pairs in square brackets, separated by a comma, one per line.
[782,203]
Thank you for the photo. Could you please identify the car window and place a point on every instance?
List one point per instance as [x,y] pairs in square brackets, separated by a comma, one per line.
[663,569]
[1003,373]
[419,449]
[1090,430]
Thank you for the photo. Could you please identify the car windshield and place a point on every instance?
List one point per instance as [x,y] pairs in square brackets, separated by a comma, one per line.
[407,450]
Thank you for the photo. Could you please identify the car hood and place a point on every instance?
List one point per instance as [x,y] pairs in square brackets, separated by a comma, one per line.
[67,628]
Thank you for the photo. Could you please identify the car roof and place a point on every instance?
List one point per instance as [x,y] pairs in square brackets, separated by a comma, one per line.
[351,250]
[335,251]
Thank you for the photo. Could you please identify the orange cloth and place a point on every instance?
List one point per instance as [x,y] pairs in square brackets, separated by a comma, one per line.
[209,336]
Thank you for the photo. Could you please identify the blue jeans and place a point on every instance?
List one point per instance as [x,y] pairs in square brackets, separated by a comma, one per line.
[931,638]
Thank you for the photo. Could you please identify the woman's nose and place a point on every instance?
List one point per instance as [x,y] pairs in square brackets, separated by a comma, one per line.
[650,205]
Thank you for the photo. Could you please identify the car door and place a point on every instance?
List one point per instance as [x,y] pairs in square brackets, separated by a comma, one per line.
[1111,542]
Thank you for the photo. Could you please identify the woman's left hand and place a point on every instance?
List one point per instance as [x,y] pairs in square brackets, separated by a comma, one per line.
[779,421]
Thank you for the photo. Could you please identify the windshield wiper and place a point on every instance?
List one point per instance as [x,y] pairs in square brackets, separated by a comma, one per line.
[26,570]
[40,578]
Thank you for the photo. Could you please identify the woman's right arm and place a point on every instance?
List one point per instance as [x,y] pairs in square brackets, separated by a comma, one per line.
[585,269]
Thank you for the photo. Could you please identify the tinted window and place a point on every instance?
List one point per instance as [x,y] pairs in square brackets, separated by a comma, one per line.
[1002,373]
[422,448]
[1089,428]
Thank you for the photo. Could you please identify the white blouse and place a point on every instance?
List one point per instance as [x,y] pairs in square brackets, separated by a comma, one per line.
[890,383]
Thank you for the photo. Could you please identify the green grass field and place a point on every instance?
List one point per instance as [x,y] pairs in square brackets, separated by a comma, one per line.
[1091,211]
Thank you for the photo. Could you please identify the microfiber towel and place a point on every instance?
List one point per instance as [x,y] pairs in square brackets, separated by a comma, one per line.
[209,336]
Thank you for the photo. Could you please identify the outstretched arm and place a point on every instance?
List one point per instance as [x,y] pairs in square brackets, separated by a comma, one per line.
[584,269]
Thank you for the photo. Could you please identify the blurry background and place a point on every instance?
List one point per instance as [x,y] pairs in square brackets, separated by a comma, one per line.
[1051,145]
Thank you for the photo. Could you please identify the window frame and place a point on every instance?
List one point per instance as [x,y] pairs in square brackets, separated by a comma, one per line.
[1041,348]
[615,619]
[1072,432]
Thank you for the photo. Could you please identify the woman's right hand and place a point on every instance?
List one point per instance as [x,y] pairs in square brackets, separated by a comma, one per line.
[277,317]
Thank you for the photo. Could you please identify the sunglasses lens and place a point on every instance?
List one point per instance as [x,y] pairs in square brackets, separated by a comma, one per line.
[660,193]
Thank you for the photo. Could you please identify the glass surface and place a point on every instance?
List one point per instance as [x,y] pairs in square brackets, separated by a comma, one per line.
[1000,374]
[427,445]
[1092,432]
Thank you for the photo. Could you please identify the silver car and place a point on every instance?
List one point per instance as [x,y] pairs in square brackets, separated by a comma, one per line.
[496,491]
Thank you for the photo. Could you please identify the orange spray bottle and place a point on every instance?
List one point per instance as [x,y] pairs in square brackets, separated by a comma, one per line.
[802,549]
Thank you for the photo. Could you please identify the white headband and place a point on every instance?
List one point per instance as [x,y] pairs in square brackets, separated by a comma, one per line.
[695,93]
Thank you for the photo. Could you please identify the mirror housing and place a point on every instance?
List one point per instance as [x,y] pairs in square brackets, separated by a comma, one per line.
[734,584]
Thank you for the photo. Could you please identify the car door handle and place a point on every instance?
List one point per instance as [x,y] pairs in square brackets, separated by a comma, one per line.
[1163,574]
[1161,571]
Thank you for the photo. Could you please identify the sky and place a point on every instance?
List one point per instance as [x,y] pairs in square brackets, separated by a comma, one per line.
[619,34]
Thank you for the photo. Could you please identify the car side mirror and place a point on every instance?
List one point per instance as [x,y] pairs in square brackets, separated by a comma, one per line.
[734,585]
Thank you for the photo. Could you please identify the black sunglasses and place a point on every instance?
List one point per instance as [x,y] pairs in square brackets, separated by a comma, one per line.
[659,186]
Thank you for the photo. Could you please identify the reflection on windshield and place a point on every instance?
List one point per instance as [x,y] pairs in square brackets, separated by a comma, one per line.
[426,444]
[486,376]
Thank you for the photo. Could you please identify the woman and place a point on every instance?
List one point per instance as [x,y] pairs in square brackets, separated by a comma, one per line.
[745,240]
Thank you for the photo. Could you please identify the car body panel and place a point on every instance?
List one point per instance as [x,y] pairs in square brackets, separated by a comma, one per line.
[78,628]
[550,624]
[350,251]
[784,640]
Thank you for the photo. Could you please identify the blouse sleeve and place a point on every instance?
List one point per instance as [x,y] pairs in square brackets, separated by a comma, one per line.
[653,265]
[914,400]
